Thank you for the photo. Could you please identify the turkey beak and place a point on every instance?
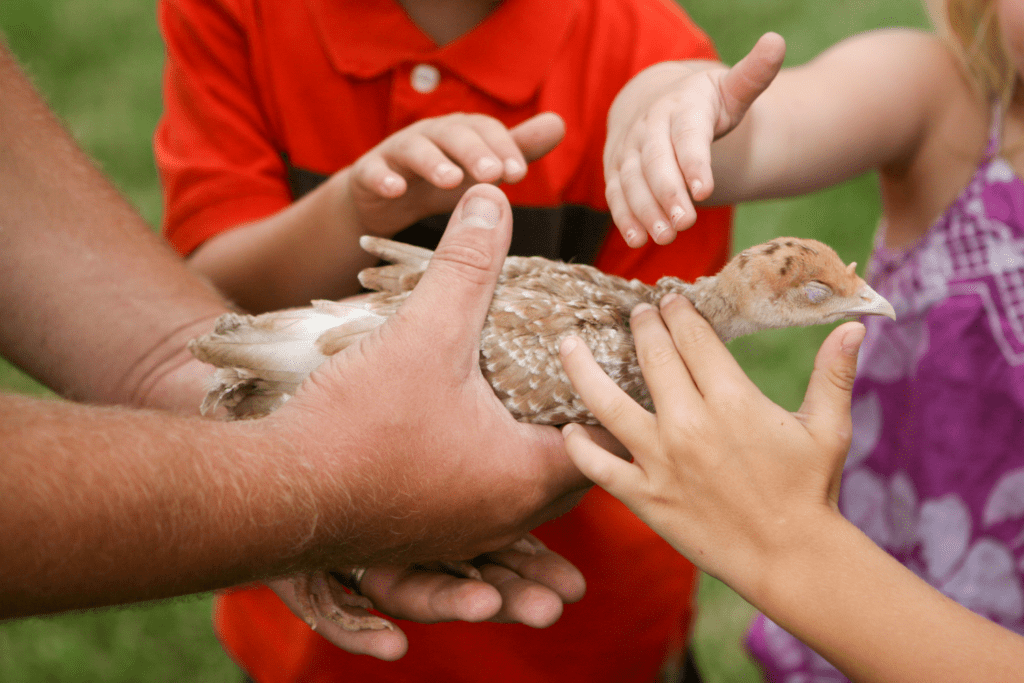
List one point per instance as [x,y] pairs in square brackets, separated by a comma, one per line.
[870,302]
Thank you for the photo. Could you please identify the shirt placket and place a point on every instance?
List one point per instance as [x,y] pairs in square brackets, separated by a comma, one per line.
[419,90]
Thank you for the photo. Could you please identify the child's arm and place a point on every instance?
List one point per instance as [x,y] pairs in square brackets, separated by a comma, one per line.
[311,249]
[872,101]
[747,491]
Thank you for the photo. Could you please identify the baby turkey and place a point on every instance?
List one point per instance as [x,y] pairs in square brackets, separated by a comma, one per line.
[787,282]
[262,360]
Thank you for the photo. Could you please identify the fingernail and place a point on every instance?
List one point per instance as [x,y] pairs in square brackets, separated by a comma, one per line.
[569,344]
[676,215]
[446,172]
[513,168]
[631,237]
[570,428]
[696,186]
[391,184]
[852,340]
[641,308]
[659,229]
[488,167]
[527,546]
[668,298]
[480,212]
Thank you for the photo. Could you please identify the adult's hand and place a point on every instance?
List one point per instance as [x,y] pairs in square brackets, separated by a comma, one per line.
[410,454]
[517,586]
[108,505]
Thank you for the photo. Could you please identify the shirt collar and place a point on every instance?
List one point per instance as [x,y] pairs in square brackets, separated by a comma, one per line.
[507,55]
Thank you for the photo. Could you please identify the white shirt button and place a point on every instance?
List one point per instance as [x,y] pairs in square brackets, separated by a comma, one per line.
[425,78]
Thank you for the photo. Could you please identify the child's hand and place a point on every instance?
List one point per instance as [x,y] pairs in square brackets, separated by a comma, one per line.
[430,164]
[725,475]
[657,160]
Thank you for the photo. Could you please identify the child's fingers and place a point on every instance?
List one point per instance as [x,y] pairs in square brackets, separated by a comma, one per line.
[614,475]
[672,389]
[465,145]
[632,232]
[613,408]
[707,359]
[538,135]
[502,144]
[662,173]
[376,176]
[641,201]
[691,136]
[421,156]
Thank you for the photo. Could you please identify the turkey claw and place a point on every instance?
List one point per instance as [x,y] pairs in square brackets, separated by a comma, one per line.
[321,596]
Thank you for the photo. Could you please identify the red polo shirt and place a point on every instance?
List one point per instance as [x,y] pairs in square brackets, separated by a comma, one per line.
[263,97]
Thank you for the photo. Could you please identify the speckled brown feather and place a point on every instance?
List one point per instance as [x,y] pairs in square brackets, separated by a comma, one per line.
[538,302]
[261,360]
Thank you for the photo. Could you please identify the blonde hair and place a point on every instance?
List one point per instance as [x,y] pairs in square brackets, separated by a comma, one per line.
[972,30]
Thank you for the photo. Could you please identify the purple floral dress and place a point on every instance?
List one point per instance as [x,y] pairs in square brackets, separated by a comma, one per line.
[935,474]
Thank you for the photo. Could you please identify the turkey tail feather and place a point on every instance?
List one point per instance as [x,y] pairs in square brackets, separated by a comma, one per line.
[408,262]
[263,359]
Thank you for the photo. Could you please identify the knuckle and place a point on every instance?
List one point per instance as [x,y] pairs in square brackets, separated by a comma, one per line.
[630,168]
[656,356]
[729,399]
[691,331]
[696,167]
[471,261]
[843,377]
[657,153]
[612,410]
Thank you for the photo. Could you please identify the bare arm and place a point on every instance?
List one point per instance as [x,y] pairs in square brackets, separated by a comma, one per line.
[311,250]
[748,492]
[94,304]
[103,506]
[108,505]
[871,102]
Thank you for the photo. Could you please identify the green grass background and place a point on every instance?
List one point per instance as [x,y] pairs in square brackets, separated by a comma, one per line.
[98,62]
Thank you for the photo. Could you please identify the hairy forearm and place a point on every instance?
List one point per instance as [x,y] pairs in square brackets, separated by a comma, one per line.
[94,304]
[873,618]
[309,250]
[92,518]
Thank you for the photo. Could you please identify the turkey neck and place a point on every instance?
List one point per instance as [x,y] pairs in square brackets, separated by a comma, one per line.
[705,296]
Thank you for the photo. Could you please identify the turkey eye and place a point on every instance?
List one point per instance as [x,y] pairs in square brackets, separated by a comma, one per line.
[817,291]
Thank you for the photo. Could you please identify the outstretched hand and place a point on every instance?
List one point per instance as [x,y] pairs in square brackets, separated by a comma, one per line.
[721,472]
[657,159]
[423,169]
[517,587]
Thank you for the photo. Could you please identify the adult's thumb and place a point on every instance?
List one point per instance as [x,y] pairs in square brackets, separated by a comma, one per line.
[826,407]
[455,292]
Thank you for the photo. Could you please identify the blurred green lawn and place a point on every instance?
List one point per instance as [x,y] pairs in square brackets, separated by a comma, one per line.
[98,62]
